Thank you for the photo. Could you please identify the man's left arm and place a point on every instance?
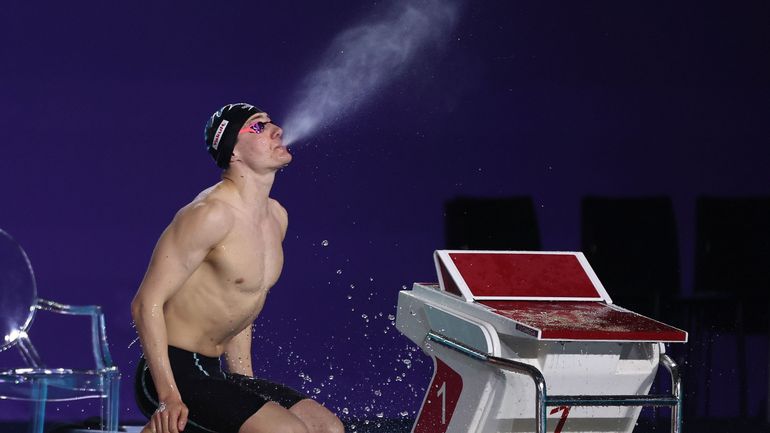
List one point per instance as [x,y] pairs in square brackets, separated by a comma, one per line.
[238,353]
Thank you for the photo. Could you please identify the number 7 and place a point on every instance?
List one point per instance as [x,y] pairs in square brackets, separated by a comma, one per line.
[563,419]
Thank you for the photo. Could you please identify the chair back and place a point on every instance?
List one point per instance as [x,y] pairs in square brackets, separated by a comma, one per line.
[18,292]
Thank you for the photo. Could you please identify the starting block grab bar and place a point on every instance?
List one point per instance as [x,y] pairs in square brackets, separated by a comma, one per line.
[542,400]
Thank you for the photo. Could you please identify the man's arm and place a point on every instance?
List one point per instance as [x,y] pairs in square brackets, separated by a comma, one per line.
[238,353]
[180,250]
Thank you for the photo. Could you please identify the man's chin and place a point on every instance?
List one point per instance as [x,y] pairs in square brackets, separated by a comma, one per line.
[284,160]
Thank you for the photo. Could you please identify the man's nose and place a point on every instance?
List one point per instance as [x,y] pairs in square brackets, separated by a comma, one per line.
[277,131]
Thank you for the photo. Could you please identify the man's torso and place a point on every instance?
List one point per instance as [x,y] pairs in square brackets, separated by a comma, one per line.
[226,292]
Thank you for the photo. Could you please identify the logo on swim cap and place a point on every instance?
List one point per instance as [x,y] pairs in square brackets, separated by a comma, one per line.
[220,140]
[218,134]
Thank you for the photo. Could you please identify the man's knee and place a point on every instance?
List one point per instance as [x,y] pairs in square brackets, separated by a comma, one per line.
[317,418]
[272,418]
[283,426]
[293,427]
[334,426]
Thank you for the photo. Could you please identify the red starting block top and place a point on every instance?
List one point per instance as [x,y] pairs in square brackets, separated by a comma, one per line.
[595,321]
[549,295]
[518,275]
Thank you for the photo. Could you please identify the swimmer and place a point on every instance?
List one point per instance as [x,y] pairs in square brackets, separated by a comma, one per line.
[206,282]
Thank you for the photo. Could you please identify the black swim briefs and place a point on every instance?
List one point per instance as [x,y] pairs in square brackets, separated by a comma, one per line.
[218,402]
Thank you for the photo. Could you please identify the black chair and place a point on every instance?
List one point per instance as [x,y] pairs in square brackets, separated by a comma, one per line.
[732,278]
[491,224]
[632,245]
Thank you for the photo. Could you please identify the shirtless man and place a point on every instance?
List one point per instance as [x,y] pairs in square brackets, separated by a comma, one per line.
[206,283]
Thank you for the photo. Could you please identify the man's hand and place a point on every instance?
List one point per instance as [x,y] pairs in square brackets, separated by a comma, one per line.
[171,417]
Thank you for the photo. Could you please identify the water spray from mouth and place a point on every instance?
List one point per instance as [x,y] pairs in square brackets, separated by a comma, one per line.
[363,59]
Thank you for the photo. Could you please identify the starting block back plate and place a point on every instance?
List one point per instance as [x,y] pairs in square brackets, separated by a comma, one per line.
[518,275]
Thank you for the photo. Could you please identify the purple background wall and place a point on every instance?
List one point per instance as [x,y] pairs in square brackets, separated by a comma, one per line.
[102,108]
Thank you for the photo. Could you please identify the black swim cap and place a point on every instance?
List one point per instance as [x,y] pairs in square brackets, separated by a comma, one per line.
[222,130]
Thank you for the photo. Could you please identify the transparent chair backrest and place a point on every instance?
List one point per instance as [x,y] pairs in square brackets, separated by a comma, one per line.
[18,292]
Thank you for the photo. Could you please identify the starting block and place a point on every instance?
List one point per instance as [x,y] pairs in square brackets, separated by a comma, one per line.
[531,342]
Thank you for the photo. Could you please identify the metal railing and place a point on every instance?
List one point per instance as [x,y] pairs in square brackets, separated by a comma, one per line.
[542,400]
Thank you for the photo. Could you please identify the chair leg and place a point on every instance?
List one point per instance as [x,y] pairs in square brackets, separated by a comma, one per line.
[110,404]
[39,397]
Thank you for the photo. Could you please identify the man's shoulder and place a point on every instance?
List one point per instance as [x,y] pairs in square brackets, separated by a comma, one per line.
[205,212]
[280,214]
[278,208]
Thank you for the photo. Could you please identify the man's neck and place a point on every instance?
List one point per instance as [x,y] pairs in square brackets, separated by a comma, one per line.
[252,188]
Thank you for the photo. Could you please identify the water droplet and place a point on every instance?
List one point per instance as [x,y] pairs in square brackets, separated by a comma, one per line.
[325,243]
[345,410]
[339,271]
[391,317]
[133,342]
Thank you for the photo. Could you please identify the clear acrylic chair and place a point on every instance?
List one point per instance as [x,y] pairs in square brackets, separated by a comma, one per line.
[37,382]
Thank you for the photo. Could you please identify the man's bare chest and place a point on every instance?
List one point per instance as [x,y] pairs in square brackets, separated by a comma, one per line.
[250,258]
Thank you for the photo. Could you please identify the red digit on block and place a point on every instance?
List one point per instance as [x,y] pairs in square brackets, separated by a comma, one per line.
[563,419]
[441,400]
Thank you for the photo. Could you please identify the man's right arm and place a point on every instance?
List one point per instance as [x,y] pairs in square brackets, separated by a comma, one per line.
[181,248]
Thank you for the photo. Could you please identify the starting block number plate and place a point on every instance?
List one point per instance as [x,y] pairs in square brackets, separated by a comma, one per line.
[443,395]
[441,400]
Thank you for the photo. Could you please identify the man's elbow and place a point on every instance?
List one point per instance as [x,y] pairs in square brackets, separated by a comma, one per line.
[141,306]
[136,309]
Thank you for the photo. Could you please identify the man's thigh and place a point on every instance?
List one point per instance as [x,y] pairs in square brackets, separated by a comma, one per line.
[270,391]
[215,403]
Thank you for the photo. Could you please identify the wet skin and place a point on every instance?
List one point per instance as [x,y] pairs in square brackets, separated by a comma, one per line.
[209,276]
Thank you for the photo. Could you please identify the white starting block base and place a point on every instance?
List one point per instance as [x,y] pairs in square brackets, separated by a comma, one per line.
[595,362]
[484,398]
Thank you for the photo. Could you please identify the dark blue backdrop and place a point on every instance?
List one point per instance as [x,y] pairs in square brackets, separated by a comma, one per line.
[102,107]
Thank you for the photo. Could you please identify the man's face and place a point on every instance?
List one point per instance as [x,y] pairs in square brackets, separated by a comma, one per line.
[259,144]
